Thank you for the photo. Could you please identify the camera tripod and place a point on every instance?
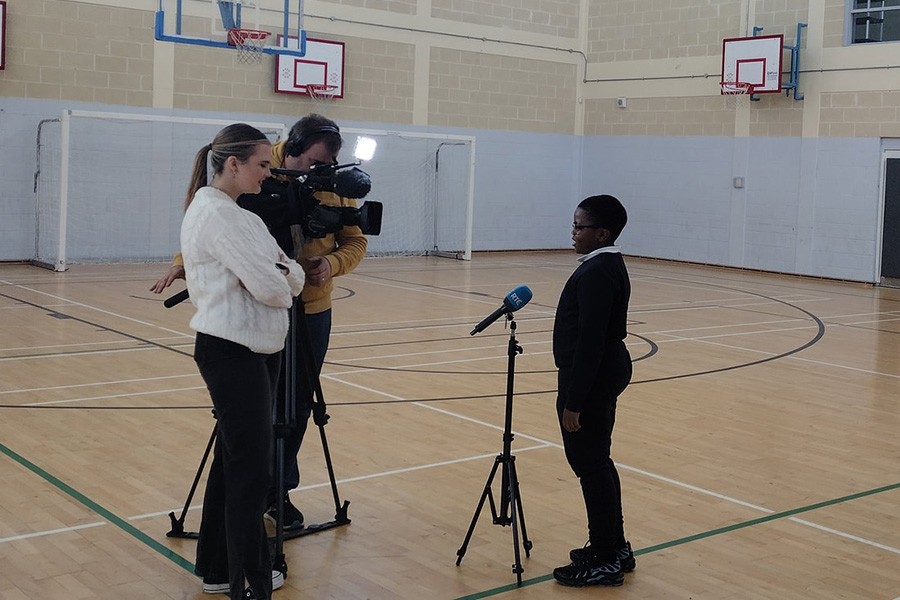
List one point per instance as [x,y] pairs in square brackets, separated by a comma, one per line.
[510,512]
[284,421]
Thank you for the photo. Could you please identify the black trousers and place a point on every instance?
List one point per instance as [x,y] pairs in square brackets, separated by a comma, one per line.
[233,543]
[588,453]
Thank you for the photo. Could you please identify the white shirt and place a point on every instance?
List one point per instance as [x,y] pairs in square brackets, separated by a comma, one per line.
[611,249]
[230,263]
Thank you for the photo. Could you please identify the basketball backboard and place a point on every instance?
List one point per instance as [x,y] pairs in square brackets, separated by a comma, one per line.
[322,64]
[754,60]
[2,34]
[208,23]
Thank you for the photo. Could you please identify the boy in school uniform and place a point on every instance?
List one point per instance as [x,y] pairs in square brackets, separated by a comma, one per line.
[594,368]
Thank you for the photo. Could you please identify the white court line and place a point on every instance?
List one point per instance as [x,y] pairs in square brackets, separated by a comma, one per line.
[545,443]
[69,354]
[549,444]
[793,357]
[127,395]
[541,444]
[97,384]
[360,478]
[26,536]
[94,308]
[845,535]
[447,295]
[81,345]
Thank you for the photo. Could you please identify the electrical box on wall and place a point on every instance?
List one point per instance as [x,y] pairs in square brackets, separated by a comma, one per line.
[621,102]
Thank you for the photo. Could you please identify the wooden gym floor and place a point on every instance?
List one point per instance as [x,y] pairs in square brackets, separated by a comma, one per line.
[758,444]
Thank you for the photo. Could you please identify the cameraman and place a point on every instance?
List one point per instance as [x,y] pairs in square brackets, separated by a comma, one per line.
[313,140]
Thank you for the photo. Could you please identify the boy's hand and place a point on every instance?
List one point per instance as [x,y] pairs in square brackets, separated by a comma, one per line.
[570,421]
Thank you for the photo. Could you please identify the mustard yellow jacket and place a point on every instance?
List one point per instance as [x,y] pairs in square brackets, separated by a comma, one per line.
[344,249]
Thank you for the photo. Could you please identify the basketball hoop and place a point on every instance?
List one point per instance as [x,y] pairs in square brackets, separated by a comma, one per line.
[322,95]
[249,44]
[735,92]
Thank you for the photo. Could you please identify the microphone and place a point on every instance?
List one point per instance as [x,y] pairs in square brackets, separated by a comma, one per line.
[514,300]
[176,299]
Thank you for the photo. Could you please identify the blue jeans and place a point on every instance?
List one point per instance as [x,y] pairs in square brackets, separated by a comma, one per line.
[319,325]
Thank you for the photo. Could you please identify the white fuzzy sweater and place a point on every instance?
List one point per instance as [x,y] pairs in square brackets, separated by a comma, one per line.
[234,282]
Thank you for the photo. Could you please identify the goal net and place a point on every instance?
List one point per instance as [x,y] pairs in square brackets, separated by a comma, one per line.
[426,183]
[110,187]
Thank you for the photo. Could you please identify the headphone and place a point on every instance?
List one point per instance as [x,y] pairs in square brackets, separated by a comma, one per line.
[298,145]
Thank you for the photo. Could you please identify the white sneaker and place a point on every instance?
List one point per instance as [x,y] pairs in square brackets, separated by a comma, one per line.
[224,588]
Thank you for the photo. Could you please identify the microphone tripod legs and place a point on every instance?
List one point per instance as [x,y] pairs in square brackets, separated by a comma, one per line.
[511,512]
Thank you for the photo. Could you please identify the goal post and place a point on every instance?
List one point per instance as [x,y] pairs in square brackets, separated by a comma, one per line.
[110,187]
[427,185]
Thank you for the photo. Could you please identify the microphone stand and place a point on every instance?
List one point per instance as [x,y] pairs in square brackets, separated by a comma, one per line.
[284,421]
[510,512]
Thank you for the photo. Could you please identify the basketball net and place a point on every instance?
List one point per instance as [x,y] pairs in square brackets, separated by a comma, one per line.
[735,92]
[249,44]
[322,95]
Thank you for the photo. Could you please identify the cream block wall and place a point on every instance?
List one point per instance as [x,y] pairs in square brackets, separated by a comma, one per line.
[421,62]
[64,50]
[551,17]
[473,90]
[860,114]
[393,6]
[624,30]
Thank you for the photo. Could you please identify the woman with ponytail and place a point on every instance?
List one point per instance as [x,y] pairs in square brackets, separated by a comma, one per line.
[242,286]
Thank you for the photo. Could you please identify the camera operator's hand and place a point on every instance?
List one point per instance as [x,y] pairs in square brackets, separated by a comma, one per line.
[174,272]
[318,270]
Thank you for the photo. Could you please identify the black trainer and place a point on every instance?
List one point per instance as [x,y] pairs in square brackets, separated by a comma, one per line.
[293,518]
[592,571]
[624,554]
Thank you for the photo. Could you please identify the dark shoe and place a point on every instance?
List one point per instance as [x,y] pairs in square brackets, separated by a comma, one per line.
[624,554]
[592,571]
[293,518]
[211,587]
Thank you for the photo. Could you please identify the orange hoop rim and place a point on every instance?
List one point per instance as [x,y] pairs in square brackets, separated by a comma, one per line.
[735,88]
[238,36]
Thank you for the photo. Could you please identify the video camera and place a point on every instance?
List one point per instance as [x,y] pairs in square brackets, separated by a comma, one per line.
[316,219]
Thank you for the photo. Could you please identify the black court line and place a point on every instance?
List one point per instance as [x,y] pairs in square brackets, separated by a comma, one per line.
[60,314]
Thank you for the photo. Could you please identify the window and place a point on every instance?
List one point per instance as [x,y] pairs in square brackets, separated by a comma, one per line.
[874,21]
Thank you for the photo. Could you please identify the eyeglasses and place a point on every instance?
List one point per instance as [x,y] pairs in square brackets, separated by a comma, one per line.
[580,227]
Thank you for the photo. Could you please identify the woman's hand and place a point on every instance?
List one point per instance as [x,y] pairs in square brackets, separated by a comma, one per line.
[174,272]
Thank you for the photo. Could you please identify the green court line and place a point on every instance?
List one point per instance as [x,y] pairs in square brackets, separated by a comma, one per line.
[106,514]
[188,566]
[700,536]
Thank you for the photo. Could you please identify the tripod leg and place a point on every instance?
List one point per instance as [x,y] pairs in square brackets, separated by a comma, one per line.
[320,418]
[526,543]
[178,524]
[513,508]
[485,494]
[279,563]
